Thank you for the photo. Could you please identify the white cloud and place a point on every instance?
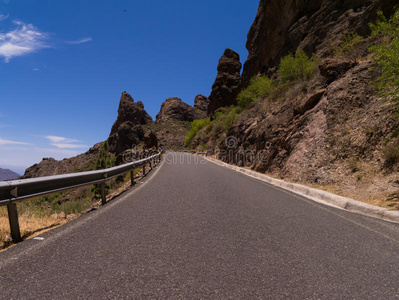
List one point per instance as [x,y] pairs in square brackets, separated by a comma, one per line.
[35,69]
[68,146]
[81,41]
[23,40]
[64,143]
[58,139]
[8,142]
[3,17]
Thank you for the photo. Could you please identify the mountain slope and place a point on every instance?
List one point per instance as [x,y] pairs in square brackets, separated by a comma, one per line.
[331,131]
[314,26]
[7,174]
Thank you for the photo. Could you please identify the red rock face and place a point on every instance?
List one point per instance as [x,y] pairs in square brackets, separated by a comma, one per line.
[314,26]
[227,84]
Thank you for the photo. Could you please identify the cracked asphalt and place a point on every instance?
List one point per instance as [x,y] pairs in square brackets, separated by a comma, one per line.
[195,230]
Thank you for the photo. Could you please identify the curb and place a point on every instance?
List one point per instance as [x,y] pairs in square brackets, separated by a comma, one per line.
[319,195]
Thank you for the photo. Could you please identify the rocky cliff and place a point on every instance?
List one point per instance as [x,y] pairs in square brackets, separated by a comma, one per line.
[227,84]
[314,26]
[127,130]
[175,109]
[201,104]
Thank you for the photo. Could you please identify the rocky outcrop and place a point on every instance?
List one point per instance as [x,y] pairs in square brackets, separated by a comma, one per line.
[127,130]
[314,26]
[7,174]
[175,109]
[201,103]
[334,68]
[49,166]
[150,140]
[227,84]
[200,107]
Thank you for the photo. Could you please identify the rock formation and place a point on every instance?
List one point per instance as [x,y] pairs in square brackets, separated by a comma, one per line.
[314,26]
[201,102]
[227,84]
[150,140]
[49,166]
[200,107]
[175,109]
[127,130]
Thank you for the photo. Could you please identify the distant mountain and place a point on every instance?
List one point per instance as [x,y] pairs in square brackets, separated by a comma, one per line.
[7,174]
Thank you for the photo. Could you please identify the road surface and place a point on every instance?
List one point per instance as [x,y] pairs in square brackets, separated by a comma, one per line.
[200,231]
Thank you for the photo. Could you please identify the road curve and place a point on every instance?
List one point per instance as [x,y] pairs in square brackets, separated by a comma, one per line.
[196,230]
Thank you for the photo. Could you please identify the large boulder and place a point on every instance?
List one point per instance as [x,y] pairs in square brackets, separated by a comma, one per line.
[227,84]
[175,109]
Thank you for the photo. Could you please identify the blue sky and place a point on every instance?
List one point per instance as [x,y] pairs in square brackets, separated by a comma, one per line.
[64,65]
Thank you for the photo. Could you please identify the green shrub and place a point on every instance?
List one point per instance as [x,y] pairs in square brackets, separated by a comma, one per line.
[196,126]
[245,97]
[349,47]
[105,160]
[216,130]
[227,116]
[74,206]
[259,87]
[386,54]
[295,67]
[209,127]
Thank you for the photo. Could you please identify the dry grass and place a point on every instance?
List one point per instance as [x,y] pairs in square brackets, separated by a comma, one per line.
[30,226]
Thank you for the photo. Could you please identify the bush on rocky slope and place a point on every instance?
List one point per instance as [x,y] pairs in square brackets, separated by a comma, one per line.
[259,88]
[297,67]
[386,54]
[196,125]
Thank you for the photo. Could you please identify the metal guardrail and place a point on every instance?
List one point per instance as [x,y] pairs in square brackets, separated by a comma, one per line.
[18,190]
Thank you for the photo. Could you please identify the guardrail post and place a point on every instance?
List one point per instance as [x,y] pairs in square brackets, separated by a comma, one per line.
[132,178]
[144,170]
[14,225]
[103,196]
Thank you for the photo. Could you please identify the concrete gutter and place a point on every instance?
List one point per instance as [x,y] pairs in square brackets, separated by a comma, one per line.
[319,195]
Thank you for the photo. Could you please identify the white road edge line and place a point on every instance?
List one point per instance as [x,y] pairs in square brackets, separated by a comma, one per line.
[319,195]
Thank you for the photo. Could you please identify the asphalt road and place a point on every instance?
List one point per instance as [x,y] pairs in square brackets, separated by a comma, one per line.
[200,231]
